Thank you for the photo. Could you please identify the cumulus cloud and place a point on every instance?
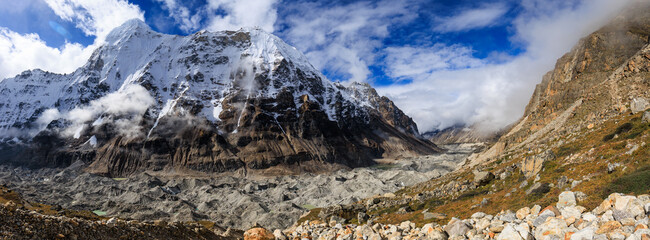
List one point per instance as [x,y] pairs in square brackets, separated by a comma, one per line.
[124,108]
[412,61]
[468,19]
[237,14]
[20,52]
[182,15]
[495,95]
[343,39]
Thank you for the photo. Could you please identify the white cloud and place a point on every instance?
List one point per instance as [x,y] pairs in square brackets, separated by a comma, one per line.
[343,40]
[96,18]
[188,22]
[495,95]
[20,52]
[469,19]
[250,13]
[126,105]
[414,61]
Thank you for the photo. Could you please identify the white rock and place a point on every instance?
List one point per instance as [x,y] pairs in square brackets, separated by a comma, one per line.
[570,211]
[566,199]
[509,233]
[478,215]
[553,227]
[584,234]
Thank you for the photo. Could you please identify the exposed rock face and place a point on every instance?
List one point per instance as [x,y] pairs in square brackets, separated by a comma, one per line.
[461,134]
[208,102]
[606,74]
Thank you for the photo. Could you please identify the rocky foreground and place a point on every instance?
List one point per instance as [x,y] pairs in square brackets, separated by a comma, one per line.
[618,217]
[18,223]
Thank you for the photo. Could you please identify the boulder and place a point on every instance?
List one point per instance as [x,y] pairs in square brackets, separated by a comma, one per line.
[551,228]
[538,188]
[532,165]
[456,227]
[639,104]
[258,234]
[566,199]
[608,227]
[584,234]
[482,178]
[522,213]
[509,233]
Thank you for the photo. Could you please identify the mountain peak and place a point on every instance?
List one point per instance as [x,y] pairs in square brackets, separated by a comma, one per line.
[127,28]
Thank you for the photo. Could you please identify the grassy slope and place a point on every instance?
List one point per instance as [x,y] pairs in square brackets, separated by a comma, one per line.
[583,156]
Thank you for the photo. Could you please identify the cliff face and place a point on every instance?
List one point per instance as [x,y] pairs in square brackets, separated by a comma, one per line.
[208,102]
[603,76]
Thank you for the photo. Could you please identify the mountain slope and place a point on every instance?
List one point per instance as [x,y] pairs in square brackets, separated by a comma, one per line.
[210,102]
[604,76]
[586,130]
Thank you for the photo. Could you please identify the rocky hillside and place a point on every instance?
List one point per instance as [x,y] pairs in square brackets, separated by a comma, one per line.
[604,76]
[586,130]
[209,102]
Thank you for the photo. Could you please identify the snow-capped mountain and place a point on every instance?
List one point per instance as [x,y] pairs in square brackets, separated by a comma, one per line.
[211,101]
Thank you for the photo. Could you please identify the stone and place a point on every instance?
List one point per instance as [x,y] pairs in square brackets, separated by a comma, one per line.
[562,182]
[522,213]
[439,216]
[482,178]
[584,234]
[258,234]
[406,226]
[538,188]
[111,222]
[532,165]
[509,233]
[608,227]
[456,227]
[362,217]
[639,105]
[621,214]
[580,196]
[566,199]
[552,228]
[542,217]
[646,117]
[478,215]
[628,222]
[496,227]
[508,216]
[572,211]
[535,210]
[279,235]
[482,224]
[433,232]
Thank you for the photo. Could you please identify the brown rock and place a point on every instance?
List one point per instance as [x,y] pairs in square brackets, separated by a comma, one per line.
[608,227]
[258,234]
[552,209]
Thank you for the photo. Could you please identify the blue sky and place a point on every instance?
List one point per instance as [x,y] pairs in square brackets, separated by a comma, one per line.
[444,62]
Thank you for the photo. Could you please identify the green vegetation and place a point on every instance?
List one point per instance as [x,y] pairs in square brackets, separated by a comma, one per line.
[637,182]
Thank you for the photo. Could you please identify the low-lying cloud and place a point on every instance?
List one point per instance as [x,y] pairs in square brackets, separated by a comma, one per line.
[123,108]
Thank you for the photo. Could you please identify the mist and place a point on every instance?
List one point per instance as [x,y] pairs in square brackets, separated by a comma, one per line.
[492,93]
